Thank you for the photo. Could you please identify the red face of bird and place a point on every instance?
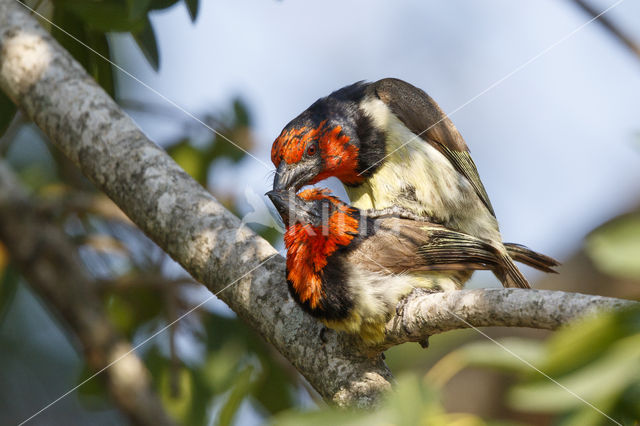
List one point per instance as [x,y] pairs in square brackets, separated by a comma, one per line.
[317,224]
[333,137]
[306,153]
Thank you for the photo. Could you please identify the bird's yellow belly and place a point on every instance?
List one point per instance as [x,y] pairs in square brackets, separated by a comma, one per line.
[376,297]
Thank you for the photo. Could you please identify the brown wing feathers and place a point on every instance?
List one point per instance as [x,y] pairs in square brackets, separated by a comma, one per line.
[404,245]
[422,115]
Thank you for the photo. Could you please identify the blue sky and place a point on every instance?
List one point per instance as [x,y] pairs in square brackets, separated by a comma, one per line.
[556,143]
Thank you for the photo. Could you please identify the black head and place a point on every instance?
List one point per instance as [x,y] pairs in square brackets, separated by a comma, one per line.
[333,137]
[293,209]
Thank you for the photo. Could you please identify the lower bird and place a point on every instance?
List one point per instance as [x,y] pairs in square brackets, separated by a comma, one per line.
[350,268]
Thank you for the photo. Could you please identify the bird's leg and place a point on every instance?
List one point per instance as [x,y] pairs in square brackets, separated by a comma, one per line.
[401,305]
[417,292]
[322,335]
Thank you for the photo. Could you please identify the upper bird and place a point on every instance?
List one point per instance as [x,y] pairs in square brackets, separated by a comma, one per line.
[390,144]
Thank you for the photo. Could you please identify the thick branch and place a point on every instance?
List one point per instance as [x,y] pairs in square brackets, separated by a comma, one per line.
[424,315]
[191,226]
[46,258]
[172,209]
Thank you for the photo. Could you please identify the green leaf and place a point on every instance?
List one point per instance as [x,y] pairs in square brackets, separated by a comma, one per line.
[93,393]
[105,15]
[615,246]
[100,69]
[138,8]
[162,4]
[220,367]
[600,382]
[7,111]
[597,359]
[179,387]
[191,159]
[8,284]
[507,357]
[76,27]
[411,403]
[146,40]
[192,7]
[241,389]
[133,307]
[242,115]
[585,341]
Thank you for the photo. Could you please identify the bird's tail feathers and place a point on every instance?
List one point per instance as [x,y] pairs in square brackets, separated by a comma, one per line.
[536,260]
[508,273]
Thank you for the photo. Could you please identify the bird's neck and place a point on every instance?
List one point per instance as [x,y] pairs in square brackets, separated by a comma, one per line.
[309,250]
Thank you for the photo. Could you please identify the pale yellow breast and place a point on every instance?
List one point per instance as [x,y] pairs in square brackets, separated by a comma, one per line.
[418,177]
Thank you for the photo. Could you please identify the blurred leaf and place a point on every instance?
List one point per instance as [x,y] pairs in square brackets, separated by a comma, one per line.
[241,112]
[104,15]
[134,307]
[179,388]
[615,246]
[600,382]
[162,4]
[607,376]
[121,315]
[240,389]
[8,283]
[76,27]
[489,355]
[235,128]
[96,66]
[178,403]
[224,148]
[228,341]
[192,7]
[220,367]
[138,8]
[93,393]
[586,341]
[412,403]
[191,159]
[7,111]
[4,258]
[100,69]
[273,389]
[146,40]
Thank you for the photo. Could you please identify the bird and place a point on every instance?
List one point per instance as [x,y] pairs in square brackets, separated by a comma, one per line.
[390,144]
[351,268]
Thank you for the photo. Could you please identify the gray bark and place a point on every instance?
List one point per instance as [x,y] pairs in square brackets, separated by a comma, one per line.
[238,266]
[425,315]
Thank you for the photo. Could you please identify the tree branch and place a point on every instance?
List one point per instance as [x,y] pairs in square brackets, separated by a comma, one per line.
[192,227]
[428,314]
[172,209]
[46,258]
[608,24]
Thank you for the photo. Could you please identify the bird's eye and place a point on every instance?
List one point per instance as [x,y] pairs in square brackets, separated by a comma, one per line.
[311,149]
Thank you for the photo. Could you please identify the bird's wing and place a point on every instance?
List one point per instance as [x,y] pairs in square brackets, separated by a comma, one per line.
[401,245]
[422,115]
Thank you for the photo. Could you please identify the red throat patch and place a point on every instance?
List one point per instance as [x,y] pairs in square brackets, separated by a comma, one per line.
[308,247]
[339,155]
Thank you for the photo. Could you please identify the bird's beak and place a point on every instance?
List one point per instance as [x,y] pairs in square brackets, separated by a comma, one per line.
[292,208]
[280,199]
[292,176]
